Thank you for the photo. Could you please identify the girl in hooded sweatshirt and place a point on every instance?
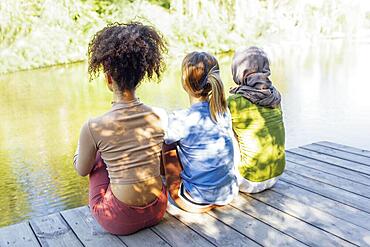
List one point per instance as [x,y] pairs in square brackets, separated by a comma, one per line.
[257,121]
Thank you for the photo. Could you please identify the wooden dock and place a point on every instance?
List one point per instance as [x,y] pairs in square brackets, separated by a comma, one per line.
[323,199]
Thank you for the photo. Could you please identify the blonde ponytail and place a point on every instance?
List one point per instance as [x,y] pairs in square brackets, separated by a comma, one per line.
[217,101]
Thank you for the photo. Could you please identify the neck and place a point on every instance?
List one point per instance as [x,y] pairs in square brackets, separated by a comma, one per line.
[125,96]
[193,100]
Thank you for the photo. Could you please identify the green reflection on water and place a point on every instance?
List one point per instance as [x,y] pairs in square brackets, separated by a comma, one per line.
[42,111]
[41,115]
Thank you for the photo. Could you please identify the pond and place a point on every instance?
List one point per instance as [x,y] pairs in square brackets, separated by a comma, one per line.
[325,97]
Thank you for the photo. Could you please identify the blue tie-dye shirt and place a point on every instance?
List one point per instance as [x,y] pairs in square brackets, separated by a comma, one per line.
[206,153]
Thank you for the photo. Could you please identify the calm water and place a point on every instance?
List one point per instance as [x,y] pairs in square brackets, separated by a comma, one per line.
[325,92]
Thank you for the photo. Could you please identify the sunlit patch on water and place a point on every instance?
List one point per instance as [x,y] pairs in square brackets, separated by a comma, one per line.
[325,97]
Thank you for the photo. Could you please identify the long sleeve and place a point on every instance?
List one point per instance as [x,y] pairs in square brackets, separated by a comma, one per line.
[85,155]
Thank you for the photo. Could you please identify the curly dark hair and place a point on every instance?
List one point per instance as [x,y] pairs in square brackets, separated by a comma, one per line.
[128,53]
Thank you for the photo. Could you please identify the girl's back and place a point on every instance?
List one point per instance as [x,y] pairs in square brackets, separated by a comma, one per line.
[257,121]
[202,135]
[206,152]
[261,136]
[121,149]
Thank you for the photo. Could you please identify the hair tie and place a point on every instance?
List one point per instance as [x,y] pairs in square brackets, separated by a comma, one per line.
[205,81]
[210,72]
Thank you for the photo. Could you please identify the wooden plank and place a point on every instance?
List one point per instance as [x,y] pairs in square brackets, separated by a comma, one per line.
[341,228]
[144,238]
[345,148]
[52,230]
[337,209]
[18,235]
[330,169]
[210,228]
[88,230]
[359,189]
[332,160]
[290,225]
[177,233]
[327,190]
[253,228]
[338,153]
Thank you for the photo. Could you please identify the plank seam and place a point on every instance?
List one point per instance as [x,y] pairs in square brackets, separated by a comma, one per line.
[118,239]
[332,155]
[153,230]
[234,229]
[192,229]
[309,223]
[343,150]
[319,181]
[34,233]
[115,236]
[264,222]
[170,215]
[71,229]
[335,215]
[304,188]
[312,158]
[297,163]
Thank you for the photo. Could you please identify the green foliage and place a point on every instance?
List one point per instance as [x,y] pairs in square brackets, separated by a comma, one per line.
[163,3]
[38,33]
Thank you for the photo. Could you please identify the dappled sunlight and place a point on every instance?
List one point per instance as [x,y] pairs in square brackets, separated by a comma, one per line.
[55,109]
[261,137]
[129,138]
[310,198]
[324,89]
[197,131]
[348,216]
[106,133]
[144,134]
[210,227]
[283,221]
[116,215]
[252,227]
[311,215]
[367,239]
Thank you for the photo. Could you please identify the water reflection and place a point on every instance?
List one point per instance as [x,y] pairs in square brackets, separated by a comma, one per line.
[324,92]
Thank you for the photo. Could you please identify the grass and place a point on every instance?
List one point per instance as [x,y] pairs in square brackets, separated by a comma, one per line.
[38,33]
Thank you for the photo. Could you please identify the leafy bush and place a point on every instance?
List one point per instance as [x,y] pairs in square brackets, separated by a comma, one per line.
[38,33]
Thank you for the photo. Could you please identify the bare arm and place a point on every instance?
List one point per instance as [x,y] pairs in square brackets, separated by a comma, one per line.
[84,158]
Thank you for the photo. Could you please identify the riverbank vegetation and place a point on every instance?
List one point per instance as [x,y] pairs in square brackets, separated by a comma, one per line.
[38,33]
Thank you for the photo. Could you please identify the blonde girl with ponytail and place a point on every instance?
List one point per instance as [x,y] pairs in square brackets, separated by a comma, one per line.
[198,153]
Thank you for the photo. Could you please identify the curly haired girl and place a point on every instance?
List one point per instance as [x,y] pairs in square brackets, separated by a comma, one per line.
[121,149]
